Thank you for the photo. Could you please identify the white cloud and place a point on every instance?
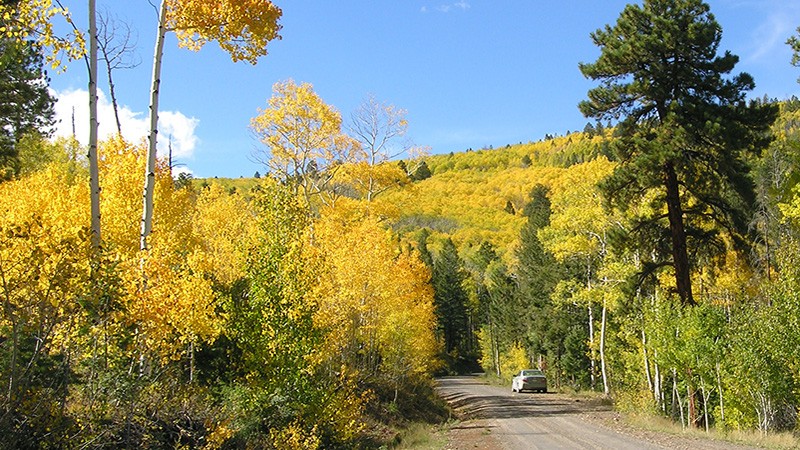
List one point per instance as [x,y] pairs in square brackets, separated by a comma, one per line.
[72,106]
[446,8]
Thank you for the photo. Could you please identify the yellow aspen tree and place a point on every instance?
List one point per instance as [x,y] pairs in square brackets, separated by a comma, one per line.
[243,28]
[224,225]
[44,270]
[578,230]
[33,20]
[374,300]
[177,309]
[304,142]
[25,20]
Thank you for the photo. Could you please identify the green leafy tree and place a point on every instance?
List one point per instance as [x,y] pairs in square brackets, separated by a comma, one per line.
[684,127]
[25,104]
[271,323]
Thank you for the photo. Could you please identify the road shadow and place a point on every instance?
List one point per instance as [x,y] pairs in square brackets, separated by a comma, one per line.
[472,398]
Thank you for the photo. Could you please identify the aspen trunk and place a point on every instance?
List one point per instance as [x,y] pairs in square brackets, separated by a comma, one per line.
[658,390]
[691,401]
[606,387]
[150,169]
[646,363]
[591,345]
[719,389]
[94,172]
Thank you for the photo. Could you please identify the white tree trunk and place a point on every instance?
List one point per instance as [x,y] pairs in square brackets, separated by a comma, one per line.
[606,388]
[150,169]
[719,389]
[94,172]
[646,362]
[591,346]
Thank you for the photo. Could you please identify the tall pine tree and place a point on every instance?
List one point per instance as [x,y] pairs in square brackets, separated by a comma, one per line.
[536,277]
[25,102]
[684,128]
[450,298]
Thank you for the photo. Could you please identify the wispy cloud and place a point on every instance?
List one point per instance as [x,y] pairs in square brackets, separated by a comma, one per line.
[174,126]
[770,36]
[773,21]
[462,5]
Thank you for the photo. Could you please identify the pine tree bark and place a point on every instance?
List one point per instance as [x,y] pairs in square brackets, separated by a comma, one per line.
[680,257]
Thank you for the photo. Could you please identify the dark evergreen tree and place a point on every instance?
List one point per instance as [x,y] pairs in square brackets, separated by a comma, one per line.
[684,128]
[402,165]
[510,208]
[423,172]
[25,103]
[184,180]
[422,247]
[589,130]
[549,331]
[536,273]
[450,298]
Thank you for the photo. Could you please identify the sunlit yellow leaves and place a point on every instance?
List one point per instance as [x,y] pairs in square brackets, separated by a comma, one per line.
[579,222]
[374,298]
[121,165]
[304,140]
[243,28]
[224,224]
[33,20]
[177,308]
[43,256]
[177,305]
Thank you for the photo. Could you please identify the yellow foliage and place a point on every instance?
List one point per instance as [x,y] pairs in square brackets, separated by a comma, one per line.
[304,138]
[32,20]
[44,253]
[469,206]
[243,28]
[168,298]
[295,437]
[513,360]
[224,224]
[121,166]
[374,298]
[579,223]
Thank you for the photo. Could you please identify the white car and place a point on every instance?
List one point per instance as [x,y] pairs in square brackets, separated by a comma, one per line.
[530,380]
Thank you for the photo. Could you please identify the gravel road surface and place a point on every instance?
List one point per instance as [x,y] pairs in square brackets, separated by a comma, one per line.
[494,418]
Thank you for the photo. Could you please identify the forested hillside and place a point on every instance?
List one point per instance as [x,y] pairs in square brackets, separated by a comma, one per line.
[549,276]
[651,257]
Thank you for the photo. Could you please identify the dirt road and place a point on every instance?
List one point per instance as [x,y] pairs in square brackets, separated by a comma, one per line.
[495,418]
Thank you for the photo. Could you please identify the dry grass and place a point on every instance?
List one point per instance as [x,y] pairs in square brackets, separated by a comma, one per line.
[421,436]
[785,440]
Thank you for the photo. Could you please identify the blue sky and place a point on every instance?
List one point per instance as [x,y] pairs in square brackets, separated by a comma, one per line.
[470,73]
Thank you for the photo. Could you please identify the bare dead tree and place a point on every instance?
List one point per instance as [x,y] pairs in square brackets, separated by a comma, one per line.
[117,43]
[377,126]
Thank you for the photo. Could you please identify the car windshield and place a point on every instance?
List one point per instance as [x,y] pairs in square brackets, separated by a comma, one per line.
[529,373]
